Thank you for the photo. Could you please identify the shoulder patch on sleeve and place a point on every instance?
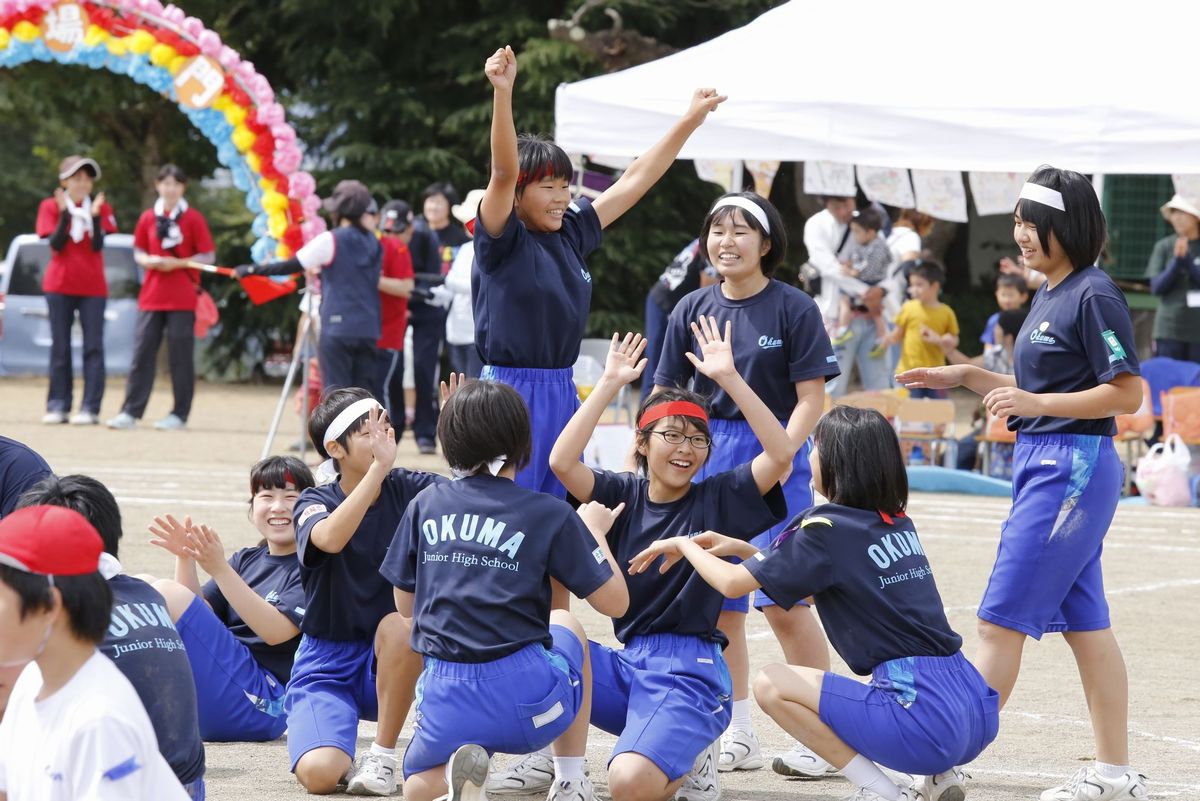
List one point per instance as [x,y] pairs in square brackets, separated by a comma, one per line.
[118,772]
[598,555]
[814,521]
[309,511]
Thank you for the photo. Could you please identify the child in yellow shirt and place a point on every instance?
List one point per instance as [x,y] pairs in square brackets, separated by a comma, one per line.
[924,313]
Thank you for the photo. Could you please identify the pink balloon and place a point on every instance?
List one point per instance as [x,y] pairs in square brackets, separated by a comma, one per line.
[174,15]
[287,159]
[193,27]
[209,43]
[228,57]
[245,71]
[283,133]
[262,90]
[270,114]
[311,204]
[152,7]
[301,186]
[311,227]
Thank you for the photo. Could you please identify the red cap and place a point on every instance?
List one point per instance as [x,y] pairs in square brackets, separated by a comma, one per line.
[50,541]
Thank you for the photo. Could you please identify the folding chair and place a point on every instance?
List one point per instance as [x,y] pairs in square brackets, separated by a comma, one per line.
[886,403]
[1132,429]
[929,421]
[1181,414]
[995,432]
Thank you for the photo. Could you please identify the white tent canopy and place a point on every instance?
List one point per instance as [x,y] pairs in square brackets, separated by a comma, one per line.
[985,85]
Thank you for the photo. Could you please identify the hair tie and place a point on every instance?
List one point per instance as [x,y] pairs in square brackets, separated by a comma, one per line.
[1044,195]
[745,204]
[671,409]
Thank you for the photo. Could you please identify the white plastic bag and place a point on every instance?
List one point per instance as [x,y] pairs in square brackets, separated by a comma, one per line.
[1162,474]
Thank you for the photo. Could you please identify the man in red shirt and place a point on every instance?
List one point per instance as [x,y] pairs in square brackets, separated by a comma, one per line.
[75,223]
[395,285]
[166,237]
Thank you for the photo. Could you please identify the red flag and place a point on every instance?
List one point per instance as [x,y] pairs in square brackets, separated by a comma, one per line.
[259,288]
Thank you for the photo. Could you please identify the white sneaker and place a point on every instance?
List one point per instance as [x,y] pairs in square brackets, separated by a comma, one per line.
[171,423]
[739,751]
[703,782]
[54,418]
[571,790]
[532,774]
[802,763]
[82,418]
[467,773]
[948,786]
[863,794]
[122,422]
[1088,785]
[375,774]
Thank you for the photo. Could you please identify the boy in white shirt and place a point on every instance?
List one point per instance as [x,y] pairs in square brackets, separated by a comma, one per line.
[74,727]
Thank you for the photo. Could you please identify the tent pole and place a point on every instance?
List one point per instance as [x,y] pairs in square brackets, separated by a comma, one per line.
[737,180]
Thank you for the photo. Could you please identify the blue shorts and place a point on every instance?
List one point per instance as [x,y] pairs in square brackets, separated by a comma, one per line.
[552,400]
[514,705]
[237,699]
[332,689]
[665,696]
[734,444]
[921,714]
[1047,573]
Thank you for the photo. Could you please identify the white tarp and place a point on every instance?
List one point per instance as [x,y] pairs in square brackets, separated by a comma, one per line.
[1091,85]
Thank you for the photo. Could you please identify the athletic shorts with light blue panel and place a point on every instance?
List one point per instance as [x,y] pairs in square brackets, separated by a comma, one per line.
[552,399]
[921,715]
[665,696]
[332,689]
[1047,574]
[513,705]
[238,700]
[734,443]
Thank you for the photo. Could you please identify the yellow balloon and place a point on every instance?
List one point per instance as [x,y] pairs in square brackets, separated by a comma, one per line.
[177,64]
[222,102]
[283,252]
[242,138]
[94,35]
[277,224]
[274,202]
[254,162]
[161,55]
[235,114]
[141,42]
[3,38]
[26,31]
[117,46]
[266,184]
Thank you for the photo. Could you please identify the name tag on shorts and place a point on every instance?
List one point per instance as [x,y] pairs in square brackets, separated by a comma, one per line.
[549,716]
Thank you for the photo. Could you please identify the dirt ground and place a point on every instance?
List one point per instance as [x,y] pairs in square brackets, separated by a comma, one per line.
[1152,569]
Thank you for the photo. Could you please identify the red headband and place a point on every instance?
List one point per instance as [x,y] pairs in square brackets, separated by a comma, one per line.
[671,409]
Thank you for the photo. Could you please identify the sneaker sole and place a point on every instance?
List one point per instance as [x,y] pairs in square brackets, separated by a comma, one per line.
[746,764]
[953,794]
[468,773]
[784,769]
[530,789]
[361,789]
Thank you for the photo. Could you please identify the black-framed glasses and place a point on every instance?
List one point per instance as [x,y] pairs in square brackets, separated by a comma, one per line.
[672,437]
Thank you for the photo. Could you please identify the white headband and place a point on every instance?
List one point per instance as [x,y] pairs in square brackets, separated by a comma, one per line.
[746,204]
[347,416]
[1044,195]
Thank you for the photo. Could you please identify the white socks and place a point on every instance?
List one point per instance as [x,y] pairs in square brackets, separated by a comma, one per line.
[1111,771]
[379,750]
[568,769]
[741,716]
[862,772]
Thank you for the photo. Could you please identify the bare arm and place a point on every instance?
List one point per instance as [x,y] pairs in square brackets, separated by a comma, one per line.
[1122,395]
[404,602]
[976,379]
[612,597]
[651,165]
[706,553]
[497,204]
[810,405]
[332,533]
[397,287]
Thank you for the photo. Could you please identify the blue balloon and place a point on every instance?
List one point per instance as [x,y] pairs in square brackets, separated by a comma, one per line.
[261,226]
[253,202]
[241,178]
[263,250]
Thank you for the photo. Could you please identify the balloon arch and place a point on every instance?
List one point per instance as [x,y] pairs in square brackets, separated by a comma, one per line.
[174,54]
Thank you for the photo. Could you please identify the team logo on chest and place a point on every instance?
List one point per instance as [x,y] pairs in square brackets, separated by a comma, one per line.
[1038,335]
[769,343]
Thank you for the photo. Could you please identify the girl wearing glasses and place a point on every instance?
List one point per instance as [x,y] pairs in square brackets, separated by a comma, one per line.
[782,349]
[666,694]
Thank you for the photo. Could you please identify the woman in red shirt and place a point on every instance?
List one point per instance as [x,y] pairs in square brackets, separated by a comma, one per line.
[165,239]
[75,223]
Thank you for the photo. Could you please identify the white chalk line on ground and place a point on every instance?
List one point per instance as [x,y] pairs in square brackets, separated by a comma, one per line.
[1190,745]
[1158,585]
[1176,788]
[1141,546]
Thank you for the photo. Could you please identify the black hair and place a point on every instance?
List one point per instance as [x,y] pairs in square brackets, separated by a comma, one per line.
[777,237]
[539,158]
[1080,230]
[86,600]
[443,188]
[172,171]
[867,218]
[931,271]
[484,420]
[1013,281]
[331,405]
[82,494]
[671,395]
[1011,320]
[276,472]
[860,461]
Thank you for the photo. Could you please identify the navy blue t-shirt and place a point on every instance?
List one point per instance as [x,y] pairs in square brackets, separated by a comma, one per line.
[478,555]
[345,597]
[532,290]
[20,468]
[350,286]
[1077,336]
[873,585]
[143,643]
[778,339]
[277,579]
[680,601]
